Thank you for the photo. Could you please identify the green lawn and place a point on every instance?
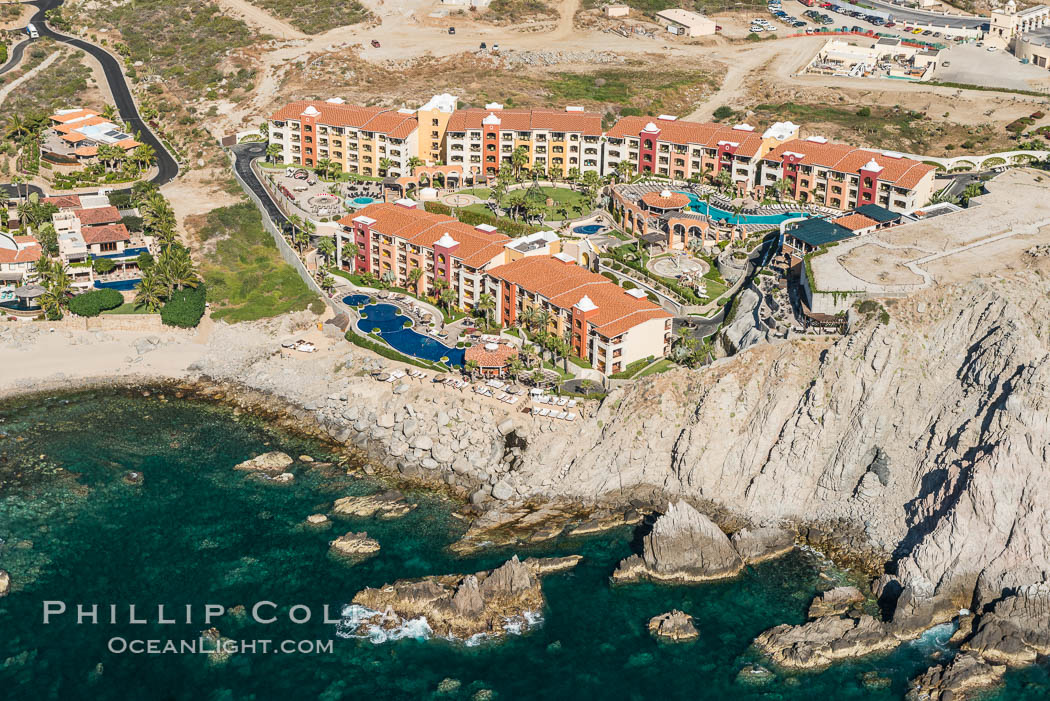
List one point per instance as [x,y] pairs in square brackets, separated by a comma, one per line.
[246,277]
[127,308]
[562,197]
[662,365]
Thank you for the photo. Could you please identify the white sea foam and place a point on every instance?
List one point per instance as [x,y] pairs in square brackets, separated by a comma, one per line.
[935,639]
[356,622]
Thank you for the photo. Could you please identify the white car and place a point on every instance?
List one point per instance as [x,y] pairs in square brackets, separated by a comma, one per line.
[991,49]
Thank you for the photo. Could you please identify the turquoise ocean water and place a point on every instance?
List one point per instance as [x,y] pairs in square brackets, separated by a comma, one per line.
[197,532]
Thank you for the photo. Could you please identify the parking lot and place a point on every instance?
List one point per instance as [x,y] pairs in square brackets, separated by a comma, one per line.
[976,65]
[798,21]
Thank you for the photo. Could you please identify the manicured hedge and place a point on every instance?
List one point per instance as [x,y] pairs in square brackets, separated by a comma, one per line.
[185,307]
[438,208]
[95,302]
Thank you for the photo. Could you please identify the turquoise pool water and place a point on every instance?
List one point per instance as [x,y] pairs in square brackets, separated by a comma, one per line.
[360,201]
[391,324]
[697,204]
[588,229]
[122,285]
[196,531]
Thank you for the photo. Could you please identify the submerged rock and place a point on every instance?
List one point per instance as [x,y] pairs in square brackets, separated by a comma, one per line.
[754,675]
[684,546]
[674,625]
[317,519]
[274,461]
[461,606]
[355,544]
[5,583]
[388,504]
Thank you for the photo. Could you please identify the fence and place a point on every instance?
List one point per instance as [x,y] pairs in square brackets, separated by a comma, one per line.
[109,322]
[286,251]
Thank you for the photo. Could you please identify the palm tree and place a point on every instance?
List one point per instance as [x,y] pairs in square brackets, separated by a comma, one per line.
[486,303]
[324,167]
[471,367]
[144,155]
[448,298]
[59,288]
[17,127]
[150,293]
[296,222]
[384,165]
[326,247]
[350,250]
[623,170]
[175,269]
[110,112]
[273,151]
[527,317]
[300,238]
[518,159]
[414,276]
[413,163]
[515,366]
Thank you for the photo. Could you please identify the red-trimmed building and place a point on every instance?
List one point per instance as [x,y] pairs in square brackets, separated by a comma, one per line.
[845,177]
[608,326]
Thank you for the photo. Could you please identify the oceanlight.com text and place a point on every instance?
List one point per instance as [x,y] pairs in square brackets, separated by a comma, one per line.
[207,646]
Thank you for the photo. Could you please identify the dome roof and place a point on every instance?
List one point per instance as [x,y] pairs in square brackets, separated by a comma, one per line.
[665,200]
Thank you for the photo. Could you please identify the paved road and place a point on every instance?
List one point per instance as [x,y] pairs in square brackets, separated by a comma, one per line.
[167,168]
[243,155]
[922,17]
[15,57]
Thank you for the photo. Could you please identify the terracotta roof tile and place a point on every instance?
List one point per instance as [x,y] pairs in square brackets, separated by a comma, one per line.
[676,131]
[855,222]
[587,123]
[109,233]
[395,124]
[28,251]
[486,358]
[63,201]
[842,158]
[674,200]
[97,215]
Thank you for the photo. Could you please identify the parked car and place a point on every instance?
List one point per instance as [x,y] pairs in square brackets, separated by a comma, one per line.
[375,44]
[991,49]
[484,46]
[946,63]
[451,30]
[888,25]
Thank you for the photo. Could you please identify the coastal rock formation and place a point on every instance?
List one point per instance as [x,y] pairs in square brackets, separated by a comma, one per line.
[1017,630]
[355,544]
[956,680]
[274,461]
[675,625]
[826,640]
[460,606]
[505,524]
[684,546]
[388,504]
[317,519]
[835,601]
[5,583]
[759,544]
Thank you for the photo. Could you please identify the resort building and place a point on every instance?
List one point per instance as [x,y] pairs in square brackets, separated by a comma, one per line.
[554,141]
[76,134]
[683,150]
[607,326]
[89,227]
[1025,32]
[844,177]
[391,240]
[433,118]
[492,358]
[363,140]
[805,236]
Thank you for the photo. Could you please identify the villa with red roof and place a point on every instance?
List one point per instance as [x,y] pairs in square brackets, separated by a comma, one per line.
[609,327]
[18,256]
[845,177]
[79,132]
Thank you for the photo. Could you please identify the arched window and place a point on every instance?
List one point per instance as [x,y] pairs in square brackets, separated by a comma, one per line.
[648,143]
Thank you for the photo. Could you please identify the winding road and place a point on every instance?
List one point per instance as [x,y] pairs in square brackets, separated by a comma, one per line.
[167,167]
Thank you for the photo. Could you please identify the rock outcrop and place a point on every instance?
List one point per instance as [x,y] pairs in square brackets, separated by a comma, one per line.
[676,626]
[834,602]
[5,583]
[388,504]
[758,544]
[355,544]
[826,640]
[461,606]
[274,461]
[956,680]
[684,546]
[1017,630]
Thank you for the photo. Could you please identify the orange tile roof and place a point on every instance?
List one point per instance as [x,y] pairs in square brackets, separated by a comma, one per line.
[677,131]
[674,200]
[29,251]
[71,116]
[97,215]
[105,234]
[421,228]
[89,122]
[565,284]
[86,151]
[486,358]
[842,158]
[392,123]
[587,123]
[855,222]
[63,201]
[74,137]
[127,144]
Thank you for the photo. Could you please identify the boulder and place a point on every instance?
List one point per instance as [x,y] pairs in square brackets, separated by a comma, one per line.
[274,461]
[835,601]
[316,519]
[826,640]
[955,680]
[388,504]
[1017,630]
[758,544]
[502,491]
[674,625]
[355,544]
[684,546]
[5,583]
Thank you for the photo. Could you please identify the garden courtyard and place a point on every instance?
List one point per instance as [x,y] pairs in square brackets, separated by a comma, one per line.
[551,202]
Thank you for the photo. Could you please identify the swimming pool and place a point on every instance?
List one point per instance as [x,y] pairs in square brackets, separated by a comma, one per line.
[122,285]
[359,201]
[391,324]
[697,204]
[355,300]
[587,229]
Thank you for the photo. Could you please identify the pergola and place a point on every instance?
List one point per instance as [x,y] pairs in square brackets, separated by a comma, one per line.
[28,294]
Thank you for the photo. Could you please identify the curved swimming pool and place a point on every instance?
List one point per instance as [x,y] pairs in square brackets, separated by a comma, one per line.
[122,285]
[390,322]
[696,204]
[355,300]
[587,229]
[360,201]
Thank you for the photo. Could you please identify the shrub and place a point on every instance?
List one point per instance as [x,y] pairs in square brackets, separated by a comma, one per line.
[95,302]
[184,308]
[722,112]
[132,222]
[628,285]
[438,208]
[864,112]
[103,265]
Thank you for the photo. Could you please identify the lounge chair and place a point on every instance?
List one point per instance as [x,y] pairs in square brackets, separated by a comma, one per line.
[571,416]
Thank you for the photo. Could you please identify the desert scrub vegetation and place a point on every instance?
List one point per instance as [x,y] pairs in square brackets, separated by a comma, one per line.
[246,277]
[59,85]
[317,16]
[183,42]
[513,11]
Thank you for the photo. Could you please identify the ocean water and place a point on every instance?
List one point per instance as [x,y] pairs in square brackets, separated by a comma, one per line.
[196,532]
